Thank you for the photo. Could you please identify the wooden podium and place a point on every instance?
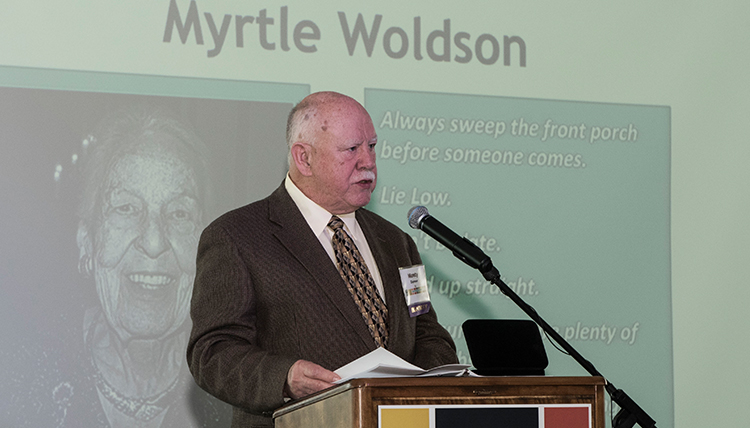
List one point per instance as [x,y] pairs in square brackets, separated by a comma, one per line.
[359,403]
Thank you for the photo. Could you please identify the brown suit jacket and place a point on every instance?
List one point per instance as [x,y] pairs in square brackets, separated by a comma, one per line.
[266,294]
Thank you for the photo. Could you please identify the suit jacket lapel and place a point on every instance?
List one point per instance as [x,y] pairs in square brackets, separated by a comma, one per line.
[295,234]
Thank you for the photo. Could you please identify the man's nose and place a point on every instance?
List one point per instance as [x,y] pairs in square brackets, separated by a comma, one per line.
[367,157]
[153,240]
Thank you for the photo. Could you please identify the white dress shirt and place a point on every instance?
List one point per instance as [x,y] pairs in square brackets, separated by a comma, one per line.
[318,217]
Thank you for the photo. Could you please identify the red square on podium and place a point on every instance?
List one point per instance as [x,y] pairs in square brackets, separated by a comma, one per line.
[566,417]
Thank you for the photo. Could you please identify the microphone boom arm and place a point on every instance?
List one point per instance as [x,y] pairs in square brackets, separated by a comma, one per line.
[630,412]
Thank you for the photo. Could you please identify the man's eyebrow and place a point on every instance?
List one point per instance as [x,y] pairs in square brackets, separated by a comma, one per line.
[356,142]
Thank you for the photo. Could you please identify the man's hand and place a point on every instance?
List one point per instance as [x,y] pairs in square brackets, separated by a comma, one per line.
[305,377]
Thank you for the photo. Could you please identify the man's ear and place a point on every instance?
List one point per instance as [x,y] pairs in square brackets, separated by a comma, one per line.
[301,156]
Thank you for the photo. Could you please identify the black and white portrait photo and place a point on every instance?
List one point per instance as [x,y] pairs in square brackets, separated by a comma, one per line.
[104,197]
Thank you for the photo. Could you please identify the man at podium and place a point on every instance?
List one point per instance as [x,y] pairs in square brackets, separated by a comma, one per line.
[300,283]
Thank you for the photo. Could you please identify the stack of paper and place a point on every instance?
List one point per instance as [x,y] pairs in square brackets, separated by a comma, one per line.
[383,363]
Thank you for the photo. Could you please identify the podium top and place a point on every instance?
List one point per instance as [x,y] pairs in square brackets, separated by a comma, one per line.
[489,386]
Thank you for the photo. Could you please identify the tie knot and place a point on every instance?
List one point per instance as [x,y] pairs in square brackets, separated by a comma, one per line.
[336,223]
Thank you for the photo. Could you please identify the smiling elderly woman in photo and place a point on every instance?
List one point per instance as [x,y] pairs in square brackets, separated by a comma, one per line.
[140,218]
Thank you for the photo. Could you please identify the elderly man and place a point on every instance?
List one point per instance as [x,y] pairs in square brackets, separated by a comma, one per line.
[304,281]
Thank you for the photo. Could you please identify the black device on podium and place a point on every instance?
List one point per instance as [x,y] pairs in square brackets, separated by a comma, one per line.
[505,347]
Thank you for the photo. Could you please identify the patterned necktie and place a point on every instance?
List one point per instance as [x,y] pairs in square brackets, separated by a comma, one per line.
[353,270]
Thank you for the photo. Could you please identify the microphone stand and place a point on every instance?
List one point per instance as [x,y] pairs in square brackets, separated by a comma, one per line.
[630,413]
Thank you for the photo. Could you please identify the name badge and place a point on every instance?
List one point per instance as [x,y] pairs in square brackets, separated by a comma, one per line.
[414,283]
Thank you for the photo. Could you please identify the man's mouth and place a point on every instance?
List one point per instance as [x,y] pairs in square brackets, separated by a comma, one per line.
[367,179]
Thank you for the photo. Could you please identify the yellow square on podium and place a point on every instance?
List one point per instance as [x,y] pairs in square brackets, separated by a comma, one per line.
[404,418]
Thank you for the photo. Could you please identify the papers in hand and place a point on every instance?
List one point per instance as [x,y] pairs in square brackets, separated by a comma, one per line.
[383,363]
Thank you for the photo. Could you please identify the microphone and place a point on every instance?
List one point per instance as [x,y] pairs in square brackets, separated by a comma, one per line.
[465,250]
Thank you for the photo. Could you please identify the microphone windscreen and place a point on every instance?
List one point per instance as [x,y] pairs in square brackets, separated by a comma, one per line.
[416,214]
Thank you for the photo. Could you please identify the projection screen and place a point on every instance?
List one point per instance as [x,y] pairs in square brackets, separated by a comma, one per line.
[594,150]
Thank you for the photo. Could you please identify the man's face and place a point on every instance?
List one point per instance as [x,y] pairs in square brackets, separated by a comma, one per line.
[145,247]
[343,159]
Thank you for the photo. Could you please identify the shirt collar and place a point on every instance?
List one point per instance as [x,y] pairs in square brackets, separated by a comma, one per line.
[316,216]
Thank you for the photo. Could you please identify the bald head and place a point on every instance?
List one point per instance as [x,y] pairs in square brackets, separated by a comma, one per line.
[331,142]
[311,114]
